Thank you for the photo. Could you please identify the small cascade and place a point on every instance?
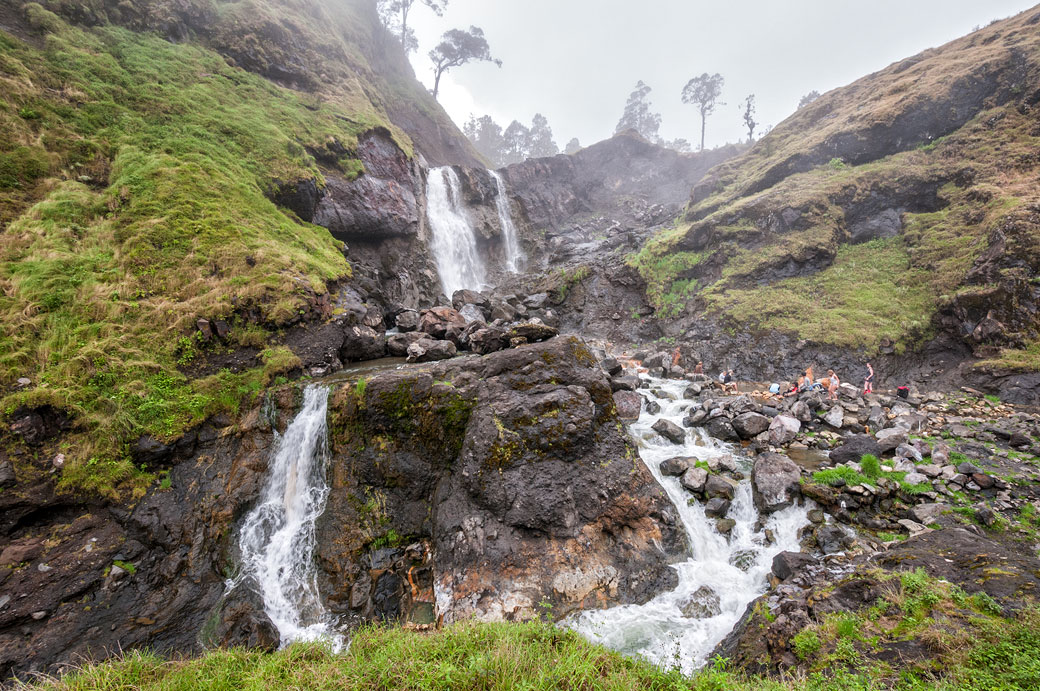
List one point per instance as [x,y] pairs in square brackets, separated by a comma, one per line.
[723,574]
[453,241]
[277,536]
[511,241]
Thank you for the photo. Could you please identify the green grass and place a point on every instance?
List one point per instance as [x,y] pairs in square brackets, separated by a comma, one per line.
[871,473]
[102,280]
[984,651]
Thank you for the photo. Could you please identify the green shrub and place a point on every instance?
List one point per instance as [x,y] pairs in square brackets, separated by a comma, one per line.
[806,643]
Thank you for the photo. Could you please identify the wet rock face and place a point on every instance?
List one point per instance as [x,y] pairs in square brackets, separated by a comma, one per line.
[380,203]
[70,600]
[509,479]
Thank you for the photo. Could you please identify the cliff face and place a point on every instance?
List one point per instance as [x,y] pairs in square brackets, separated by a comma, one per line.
[896,214]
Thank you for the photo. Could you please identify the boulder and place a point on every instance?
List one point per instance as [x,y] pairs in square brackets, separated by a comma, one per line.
[832,539]
[915,478]
[490,339]
[696,418]
[471,313]
[361,343]
[461,298]
[787,564]
[835,417]
[397,344]
[627,382]
[890,439]
[407,321]
[675,467]
[536,301]
[854,447]
[534,332]
[775,482]
[720,486]
[628,404]
[670,431]
[717,507]
[721,428]
[750,425]
[611,366]
[725,526]
[801,411]
[783,430]
[928,513]
[428,350]
[703,603]
[694,480]
[437,320]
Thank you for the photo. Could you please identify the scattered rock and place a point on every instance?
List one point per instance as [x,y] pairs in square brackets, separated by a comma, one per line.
[787,564]
[430,351]
[703,603]
[670,431]
[775,480]
[749,425]
[717,507]
[675,467]
[694,480]
[890,439]
[720,486]
[783,430]
[855,447]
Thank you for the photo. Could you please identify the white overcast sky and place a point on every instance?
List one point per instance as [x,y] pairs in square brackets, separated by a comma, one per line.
[576,61]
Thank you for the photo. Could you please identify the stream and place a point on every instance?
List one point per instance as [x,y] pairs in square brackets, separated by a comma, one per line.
[721,576]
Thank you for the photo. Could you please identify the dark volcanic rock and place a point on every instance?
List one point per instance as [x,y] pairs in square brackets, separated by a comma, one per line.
[787,564]
[854,447]
[670,431]
[750,425]
[629,404]
[674,467]
[503,473]
[362,343]
[427,350]
[489,340]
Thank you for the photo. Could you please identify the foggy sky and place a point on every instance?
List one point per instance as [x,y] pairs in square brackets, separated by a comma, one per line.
[576,61]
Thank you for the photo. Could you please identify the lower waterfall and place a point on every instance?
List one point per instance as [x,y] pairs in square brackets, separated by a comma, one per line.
[452,239]
[277,536]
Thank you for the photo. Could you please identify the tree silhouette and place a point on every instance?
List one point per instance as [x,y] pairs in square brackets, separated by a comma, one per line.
[637,115]
[749,117]
[457,47]
[394,16]
[703,92]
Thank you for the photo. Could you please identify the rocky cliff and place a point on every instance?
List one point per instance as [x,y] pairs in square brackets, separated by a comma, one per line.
[501,487]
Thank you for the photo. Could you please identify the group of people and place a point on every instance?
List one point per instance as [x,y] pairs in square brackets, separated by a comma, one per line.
[830,383]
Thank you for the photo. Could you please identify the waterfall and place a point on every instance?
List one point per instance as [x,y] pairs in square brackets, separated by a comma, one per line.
[452,240]
[514,255]
[277,536]
[735,569]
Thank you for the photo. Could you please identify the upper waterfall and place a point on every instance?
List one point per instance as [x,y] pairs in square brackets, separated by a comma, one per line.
[514,254]
[277,537]
[452,241]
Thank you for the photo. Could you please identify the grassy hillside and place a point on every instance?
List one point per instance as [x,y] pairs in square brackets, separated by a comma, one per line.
[874,215]
[133,181]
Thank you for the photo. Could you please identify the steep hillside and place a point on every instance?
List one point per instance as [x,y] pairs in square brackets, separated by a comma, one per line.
[137,175]
[900,211]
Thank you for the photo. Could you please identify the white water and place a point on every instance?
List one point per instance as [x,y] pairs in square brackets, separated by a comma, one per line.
[452,240]
[514,255]
[657,630]
[277,537]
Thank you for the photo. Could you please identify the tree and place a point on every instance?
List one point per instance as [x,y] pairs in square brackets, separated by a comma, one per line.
[749,117]
[703,92]
[573,146]
[517,139]
[457,47]
[487,138]
[541,144]
[637,115]
[394,16]
[808,98]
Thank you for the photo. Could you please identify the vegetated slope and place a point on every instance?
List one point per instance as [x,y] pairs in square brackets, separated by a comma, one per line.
[893,211]
[135,176]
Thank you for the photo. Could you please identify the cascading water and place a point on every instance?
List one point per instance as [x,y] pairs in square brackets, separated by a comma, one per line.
[514,255]
[735,569]
[277,537]
[452,239]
